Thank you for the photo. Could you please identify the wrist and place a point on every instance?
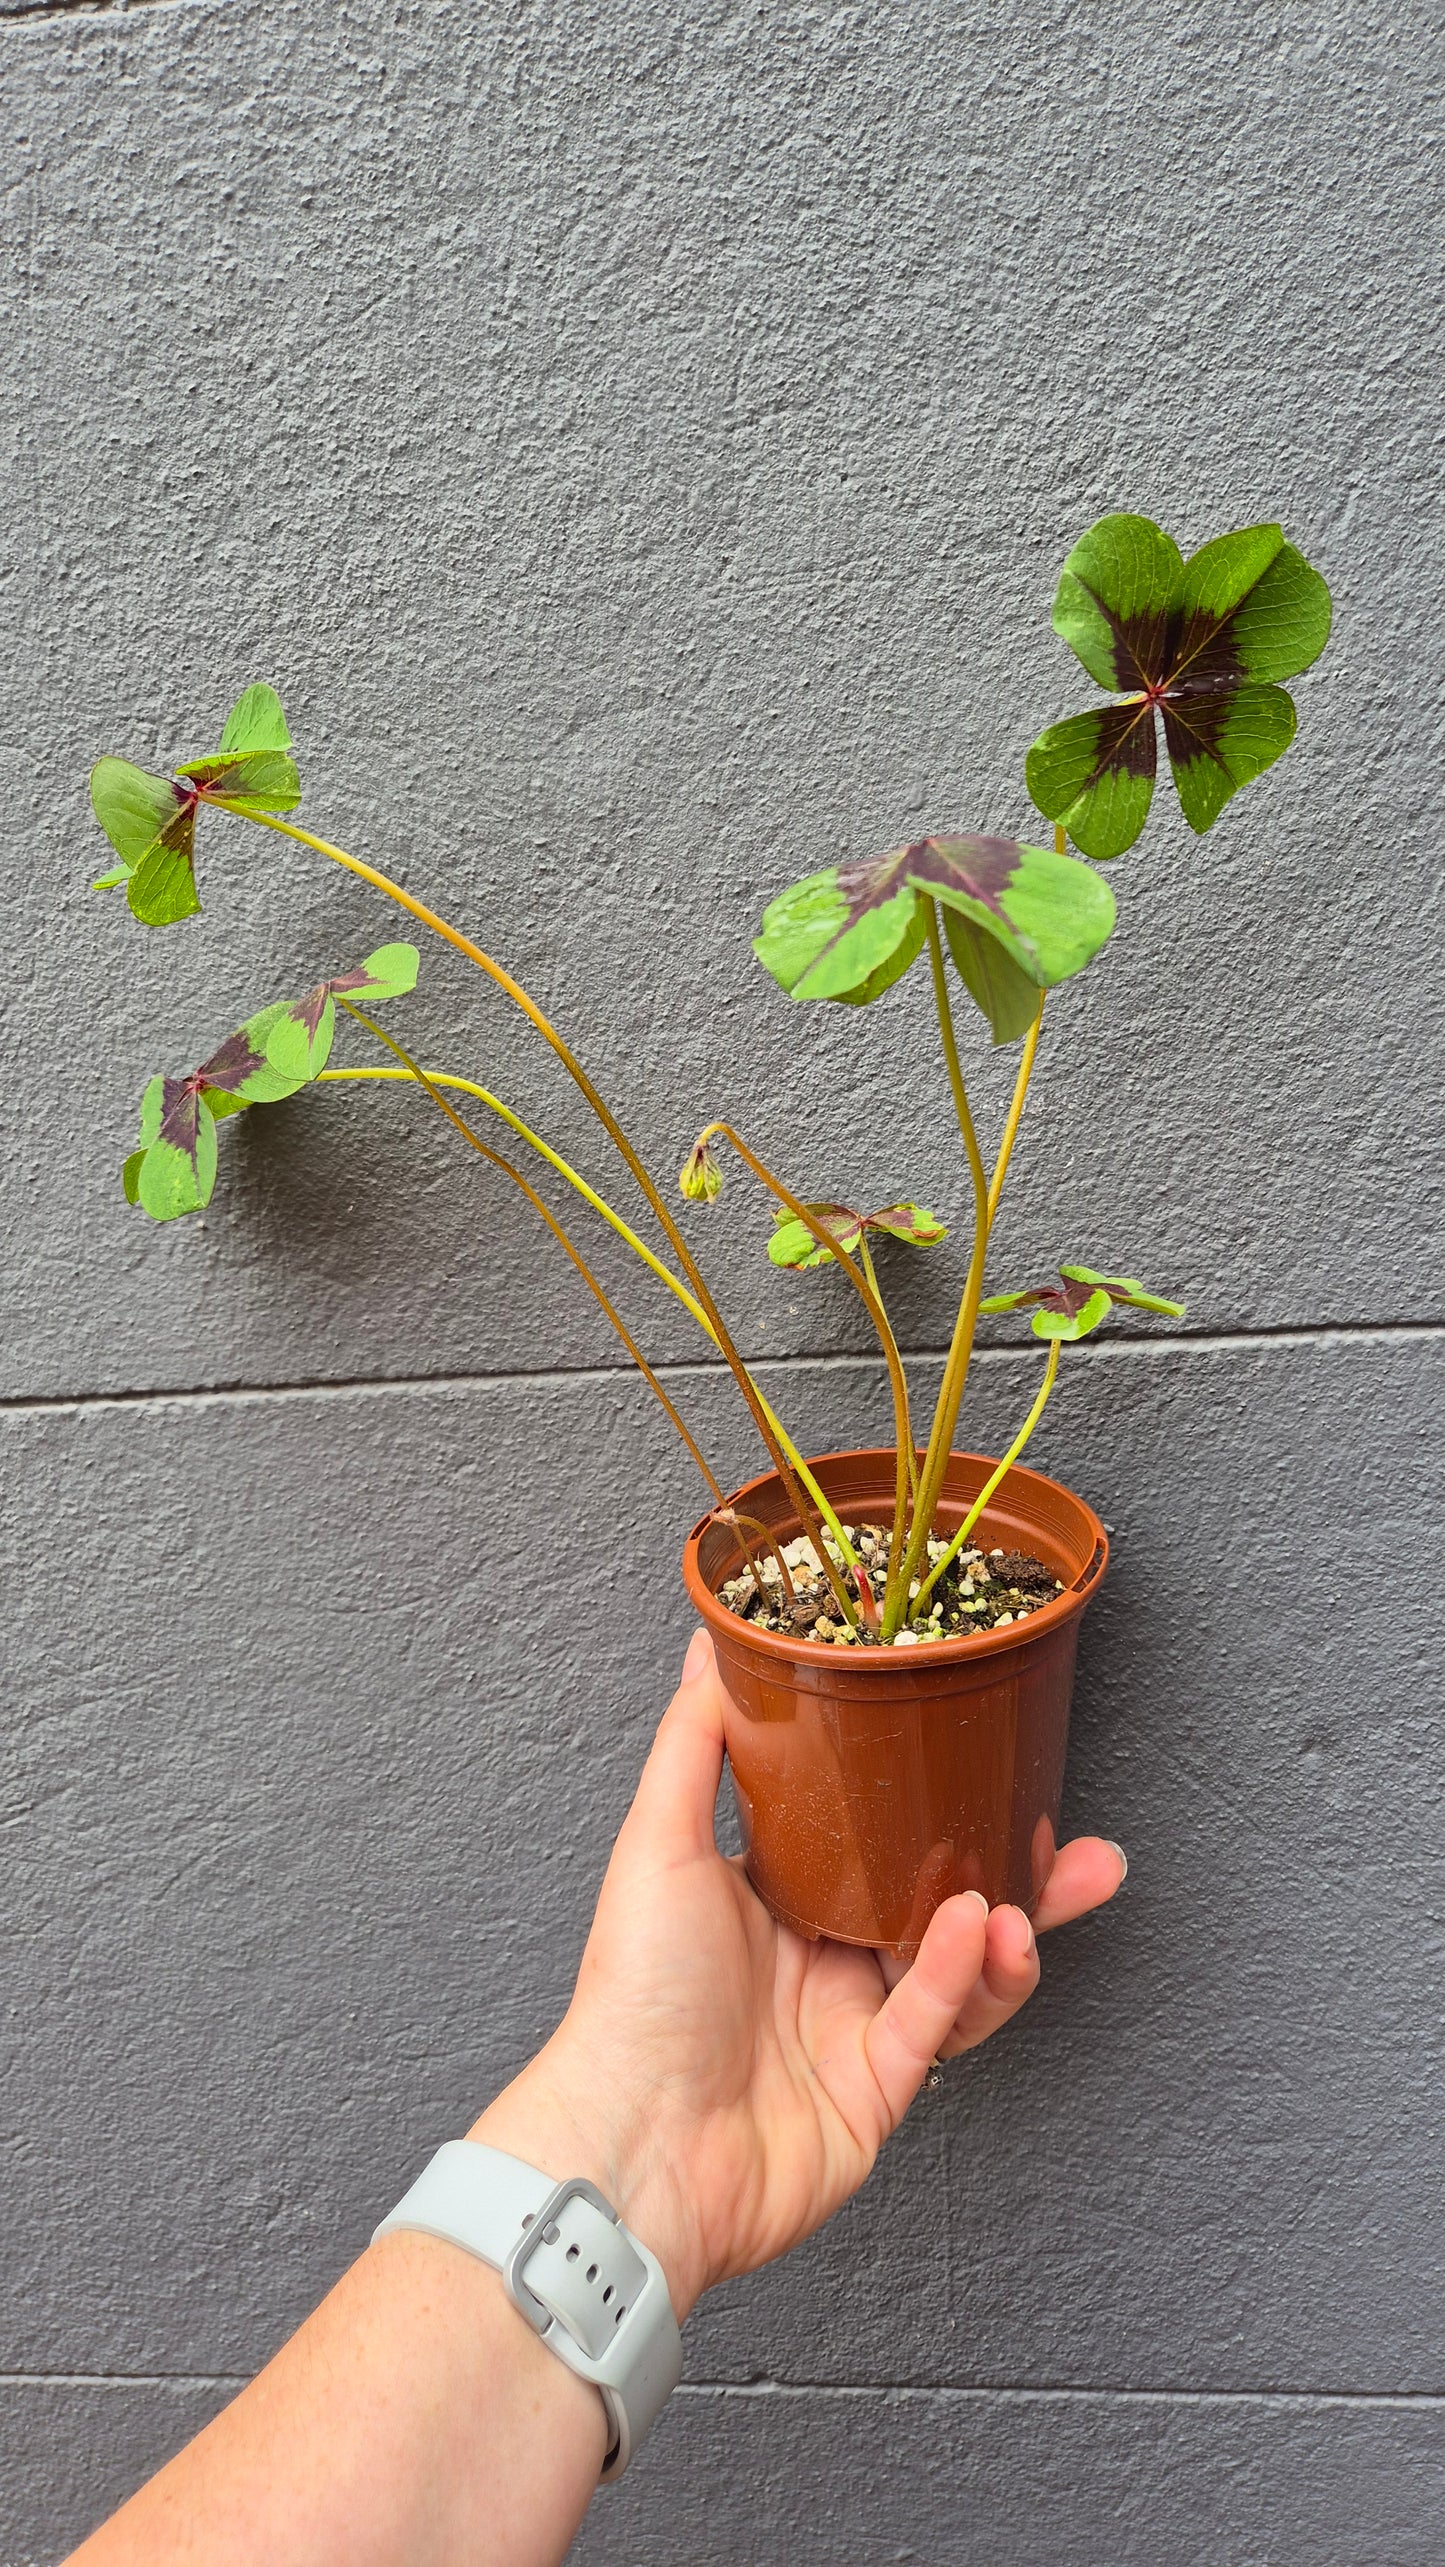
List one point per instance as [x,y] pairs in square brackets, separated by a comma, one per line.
[558,2117]
[443,2314]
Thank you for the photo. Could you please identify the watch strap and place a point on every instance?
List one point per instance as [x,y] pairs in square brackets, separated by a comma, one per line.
[593,2292]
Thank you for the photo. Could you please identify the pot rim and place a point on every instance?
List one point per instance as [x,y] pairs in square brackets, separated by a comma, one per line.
[966,1646]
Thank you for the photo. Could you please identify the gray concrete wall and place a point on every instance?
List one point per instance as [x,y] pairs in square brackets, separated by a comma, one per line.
[639,443]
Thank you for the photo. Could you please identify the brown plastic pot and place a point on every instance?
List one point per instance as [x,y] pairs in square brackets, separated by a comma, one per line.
[874,1783]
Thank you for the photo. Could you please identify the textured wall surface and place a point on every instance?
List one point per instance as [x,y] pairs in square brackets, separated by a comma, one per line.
[639,442]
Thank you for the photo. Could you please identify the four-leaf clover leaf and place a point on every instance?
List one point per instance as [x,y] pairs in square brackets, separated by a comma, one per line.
[172,1168]
[1073,1307]
[1197,644]
[1018,919]
[150,820]
[793,1243]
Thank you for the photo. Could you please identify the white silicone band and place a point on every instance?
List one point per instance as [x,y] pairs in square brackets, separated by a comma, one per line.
[592,2291]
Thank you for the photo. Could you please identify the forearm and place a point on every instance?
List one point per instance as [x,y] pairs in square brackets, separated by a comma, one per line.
[414,2421]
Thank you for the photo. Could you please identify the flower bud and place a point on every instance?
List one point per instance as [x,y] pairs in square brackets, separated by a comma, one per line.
[700,1177]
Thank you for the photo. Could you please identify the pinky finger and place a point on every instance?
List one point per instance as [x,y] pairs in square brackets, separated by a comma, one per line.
[1086,1872]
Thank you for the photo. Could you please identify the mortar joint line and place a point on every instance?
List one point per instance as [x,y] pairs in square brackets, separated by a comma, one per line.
[681,1368]
[23,12]
[943,2392]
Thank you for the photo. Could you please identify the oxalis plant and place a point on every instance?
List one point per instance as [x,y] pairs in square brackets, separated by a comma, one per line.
[1193,648]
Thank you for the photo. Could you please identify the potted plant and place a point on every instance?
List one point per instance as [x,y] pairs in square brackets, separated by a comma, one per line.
[895,1628]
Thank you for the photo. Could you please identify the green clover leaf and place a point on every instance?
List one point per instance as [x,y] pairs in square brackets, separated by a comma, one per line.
[150,820]
[793,1243]
[280,1049]
[1019,920]
[299,1041]
[1198,645]
[1074,1306]
[173,1167]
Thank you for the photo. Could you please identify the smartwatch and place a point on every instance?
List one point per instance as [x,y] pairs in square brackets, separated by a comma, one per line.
[594,2293]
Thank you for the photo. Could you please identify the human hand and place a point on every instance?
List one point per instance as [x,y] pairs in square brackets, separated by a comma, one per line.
[726,2084]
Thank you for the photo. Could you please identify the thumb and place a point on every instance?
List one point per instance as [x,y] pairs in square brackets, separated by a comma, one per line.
[672,1809]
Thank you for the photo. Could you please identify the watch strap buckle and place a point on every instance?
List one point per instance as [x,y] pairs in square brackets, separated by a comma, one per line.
[587,2274]
[590,2290]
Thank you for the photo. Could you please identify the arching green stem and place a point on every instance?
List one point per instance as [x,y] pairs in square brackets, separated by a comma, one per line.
[463,945]
[496,1160]
[640,1248]
[991,1484]
[902,1423]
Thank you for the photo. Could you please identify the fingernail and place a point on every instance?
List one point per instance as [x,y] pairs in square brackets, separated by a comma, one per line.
[1123,1859]
[697,1657]
[978,1899]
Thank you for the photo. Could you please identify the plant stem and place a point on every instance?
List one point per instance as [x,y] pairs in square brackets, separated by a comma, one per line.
[496,1160]
[992,1483]
[955,1370]
[745,1524]
[640,1248]
[1025,1073]
[1015,1112]
[554,1159]
[955,1066]
[902,1423]
[865,1259]
[463,944]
